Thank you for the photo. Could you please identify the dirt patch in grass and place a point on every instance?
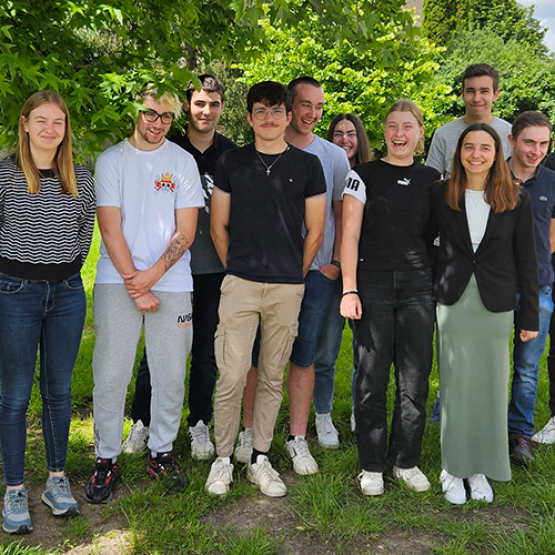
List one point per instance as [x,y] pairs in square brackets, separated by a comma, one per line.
[99,529]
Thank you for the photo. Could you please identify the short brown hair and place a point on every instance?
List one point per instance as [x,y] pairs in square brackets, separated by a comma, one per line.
[530,119]
[479,70]
[208,83]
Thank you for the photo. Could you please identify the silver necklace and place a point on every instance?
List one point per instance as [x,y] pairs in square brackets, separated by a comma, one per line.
[269,168]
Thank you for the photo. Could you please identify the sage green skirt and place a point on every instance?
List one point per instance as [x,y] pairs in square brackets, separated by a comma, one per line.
[474,364]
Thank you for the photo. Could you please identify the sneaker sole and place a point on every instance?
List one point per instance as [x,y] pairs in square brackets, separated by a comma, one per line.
[174,487]
[373,492]
[201,456]
[303,471]
[23,529]
[329,445]
[222,488]
[70,511]
[98,501]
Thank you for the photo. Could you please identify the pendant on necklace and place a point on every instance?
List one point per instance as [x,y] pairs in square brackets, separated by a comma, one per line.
[268,171]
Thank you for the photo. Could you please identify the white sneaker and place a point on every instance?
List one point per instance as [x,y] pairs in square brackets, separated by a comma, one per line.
[220,477]
[371,483]
[413,477]
[453,488]
[137,439]
[480,490]
[353,422]
[547,435]
[303,461]
[201,446]
[262,474]
[243,448]
[328,437]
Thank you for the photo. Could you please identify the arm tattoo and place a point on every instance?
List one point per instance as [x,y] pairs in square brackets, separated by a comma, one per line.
[175,251]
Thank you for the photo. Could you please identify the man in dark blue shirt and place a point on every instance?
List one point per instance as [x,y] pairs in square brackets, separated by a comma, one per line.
[530,140]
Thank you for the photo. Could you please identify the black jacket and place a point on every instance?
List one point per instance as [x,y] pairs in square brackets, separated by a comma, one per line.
[507,252]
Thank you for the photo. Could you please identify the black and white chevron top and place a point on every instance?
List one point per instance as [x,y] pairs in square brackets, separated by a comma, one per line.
[44,236]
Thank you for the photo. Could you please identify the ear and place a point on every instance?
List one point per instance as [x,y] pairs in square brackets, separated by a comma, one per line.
[289,117]
[25,124]
[249,119]
[421,132]
[511,140]
[496,95]
[186,105]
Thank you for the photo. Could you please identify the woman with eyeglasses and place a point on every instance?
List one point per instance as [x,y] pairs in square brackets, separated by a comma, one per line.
[487,244]
[47,207]
[387,292]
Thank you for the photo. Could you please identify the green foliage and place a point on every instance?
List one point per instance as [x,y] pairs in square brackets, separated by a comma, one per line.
[360,77]
[527,76]
[98,54]
[444,19]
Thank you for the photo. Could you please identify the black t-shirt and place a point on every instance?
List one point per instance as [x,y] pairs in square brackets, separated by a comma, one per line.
[204,258]
[267,211]
[396,225]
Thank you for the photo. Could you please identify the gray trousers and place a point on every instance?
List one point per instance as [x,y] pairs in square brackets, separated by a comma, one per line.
[168,336]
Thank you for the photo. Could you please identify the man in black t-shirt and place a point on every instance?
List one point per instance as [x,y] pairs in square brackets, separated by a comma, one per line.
[204,108]
[263,194]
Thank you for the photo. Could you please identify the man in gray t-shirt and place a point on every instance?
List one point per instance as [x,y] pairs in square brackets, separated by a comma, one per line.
[480,89]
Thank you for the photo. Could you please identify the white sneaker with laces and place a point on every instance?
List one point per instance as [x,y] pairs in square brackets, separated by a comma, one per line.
[201,446]
[547,435]
[137,439]
[328,437]
[220,477]
[303,461]
[243,447]
[480,490]
[453,488]
[263,475]
[413,477]
[371,483]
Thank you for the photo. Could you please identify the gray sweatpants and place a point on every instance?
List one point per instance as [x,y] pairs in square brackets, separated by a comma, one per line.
[168,337]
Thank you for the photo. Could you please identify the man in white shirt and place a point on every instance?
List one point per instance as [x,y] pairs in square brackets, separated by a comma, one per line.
[148,193]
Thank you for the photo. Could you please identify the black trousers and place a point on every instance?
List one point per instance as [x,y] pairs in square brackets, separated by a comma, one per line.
[396,327]
[203,373]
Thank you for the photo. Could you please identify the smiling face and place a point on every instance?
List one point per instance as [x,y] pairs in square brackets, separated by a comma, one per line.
[150,136]
[46,126]
[530,147]
[205,110]
[308,107]
[402,133]
[478,153]
[345,136]
[478,96]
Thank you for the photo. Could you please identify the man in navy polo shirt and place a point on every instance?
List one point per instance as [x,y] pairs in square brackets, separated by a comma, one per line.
[530,140]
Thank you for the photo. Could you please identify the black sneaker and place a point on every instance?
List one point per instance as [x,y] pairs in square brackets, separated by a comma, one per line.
[99,488]
[163,467]
[521,450]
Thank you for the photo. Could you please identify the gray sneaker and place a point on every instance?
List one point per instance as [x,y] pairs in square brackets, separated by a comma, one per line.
[328,437]
[137,439]
[547,434]
[57,496]
[201,446]
[17,519]
[243,448]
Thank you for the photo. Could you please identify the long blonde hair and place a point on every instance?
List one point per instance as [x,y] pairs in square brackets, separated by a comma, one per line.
[64,157]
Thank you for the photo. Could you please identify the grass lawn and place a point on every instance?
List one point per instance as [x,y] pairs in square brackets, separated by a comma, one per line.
[323,514]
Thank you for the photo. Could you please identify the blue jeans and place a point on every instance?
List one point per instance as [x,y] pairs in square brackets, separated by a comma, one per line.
[327,351]
[526,358]
[316,301]
[34,314]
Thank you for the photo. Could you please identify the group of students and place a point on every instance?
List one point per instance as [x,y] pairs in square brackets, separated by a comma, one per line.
[289,242]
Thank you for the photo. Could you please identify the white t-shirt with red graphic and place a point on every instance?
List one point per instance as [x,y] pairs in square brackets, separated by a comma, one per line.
[148,187]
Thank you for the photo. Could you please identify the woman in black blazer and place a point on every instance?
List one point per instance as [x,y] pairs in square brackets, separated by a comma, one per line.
[486,247]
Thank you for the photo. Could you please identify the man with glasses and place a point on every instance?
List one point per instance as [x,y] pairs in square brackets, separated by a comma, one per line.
[149,193]
[204,108]
[263,195]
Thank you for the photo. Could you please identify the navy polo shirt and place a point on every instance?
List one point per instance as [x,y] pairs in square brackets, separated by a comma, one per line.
[542,191]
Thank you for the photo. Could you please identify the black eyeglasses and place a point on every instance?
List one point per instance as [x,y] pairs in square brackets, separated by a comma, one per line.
[151,116]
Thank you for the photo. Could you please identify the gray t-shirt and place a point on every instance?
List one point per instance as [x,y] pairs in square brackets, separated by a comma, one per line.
[444,143]
[336,166]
